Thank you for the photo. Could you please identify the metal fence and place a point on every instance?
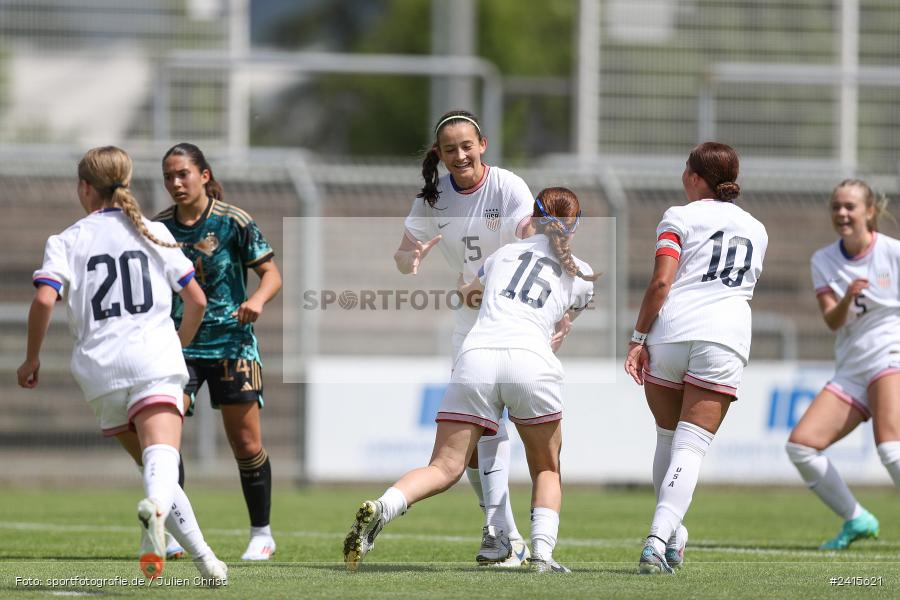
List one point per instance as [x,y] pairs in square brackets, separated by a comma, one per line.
[353,196]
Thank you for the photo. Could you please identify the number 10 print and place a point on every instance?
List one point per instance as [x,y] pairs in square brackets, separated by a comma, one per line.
[725,275]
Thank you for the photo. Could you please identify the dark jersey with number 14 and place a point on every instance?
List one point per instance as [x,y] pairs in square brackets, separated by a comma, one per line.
[222,244]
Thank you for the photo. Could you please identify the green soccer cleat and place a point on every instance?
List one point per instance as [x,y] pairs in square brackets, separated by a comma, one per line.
[863,526]
[367,524]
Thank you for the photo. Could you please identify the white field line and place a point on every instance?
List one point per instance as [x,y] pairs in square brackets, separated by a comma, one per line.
[697,547]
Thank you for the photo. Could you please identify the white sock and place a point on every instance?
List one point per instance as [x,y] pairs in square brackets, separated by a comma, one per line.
[689,446]
[183,526]
[662,456]
[493,461]
[161,474]
[544,530]
[394,504]
[890,458]
[474,476]
[261,531]
[821,477]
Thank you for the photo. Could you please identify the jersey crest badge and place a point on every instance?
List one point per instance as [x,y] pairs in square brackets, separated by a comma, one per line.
[207,245]
[492,218]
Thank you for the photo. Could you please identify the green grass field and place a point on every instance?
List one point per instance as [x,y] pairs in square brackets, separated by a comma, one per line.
[754,543]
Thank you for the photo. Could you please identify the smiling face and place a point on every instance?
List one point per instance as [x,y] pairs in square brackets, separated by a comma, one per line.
[460,148]
[184,181]
[849,214]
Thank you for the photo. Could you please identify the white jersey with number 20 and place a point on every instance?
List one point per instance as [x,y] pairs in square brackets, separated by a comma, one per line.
[117,286]
[720,249]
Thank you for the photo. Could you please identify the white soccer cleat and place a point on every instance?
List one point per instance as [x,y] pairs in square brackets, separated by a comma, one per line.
[652,562]
[548,565]
[495,546]
[367,524]
[213,572]
[174,551]
[519,556]
[261,547]
[153,538]
[675,547]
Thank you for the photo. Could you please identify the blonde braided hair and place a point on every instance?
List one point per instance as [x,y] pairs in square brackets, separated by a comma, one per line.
[108,169]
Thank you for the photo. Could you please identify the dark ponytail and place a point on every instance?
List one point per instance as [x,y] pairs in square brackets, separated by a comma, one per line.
[430,190]
[195,155]
[718,165]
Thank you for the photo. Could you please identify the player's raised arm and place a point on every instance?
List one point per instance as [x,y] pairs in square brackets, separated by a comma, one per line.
[411,253]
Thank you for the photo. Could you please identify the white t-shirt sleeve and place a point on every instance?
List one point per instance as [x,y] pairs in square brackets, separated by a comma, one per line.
[55,271]
[178,268]
[819,279]
[518,203]
[418,224]
[671,234]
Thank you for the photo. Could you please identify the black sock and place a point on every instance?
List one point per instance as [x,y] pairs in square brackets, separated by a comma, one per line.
[256,481]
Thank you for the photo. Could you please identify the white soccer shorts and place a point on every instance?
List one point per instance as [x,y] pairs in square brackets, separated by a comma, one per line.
[487,379]
[115,411]
[851,383]
[707,365]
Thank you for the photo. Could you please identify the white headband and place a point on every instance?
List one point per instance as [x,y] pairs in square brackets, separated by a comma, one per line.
[450,118]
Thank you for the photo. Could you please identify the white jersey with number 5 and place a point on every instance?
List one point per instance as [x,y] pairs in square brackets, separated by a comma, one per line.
[474,223]
[872,328]
[118,287]
[526,293]
[720,249]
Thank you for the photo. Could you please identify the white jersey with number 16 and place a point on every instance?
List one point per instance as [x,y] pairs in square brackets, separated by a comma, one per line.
[526,291]
[720,249]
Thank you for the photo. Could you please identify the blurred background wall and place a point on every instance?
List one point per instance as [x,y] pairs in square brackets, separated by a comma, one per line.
[322,109]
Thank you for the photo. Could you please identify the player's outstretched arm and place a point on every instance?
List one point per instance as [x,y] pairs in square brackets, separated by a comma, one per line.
[835,311]
[410,254]
[38,322]
[194,307]
[269,286]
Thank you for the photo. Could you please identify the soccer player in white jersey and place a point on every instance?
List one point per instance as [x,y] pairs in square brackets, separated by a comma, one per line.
[857,283]
[507,361]
[469,213]
[116,272]
[692,337]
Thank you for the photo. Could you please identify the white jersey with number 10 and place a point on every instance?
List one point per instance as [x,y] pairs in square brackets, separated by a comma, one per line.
[720,249]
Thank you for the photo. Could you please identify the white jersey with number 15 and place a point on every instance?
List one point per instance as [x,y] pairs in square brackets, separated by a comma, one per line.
[474,223]
[720,249]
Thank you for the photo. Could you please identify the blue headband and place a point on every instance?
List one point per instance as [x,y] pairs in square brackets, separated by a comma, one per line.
[548,217]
